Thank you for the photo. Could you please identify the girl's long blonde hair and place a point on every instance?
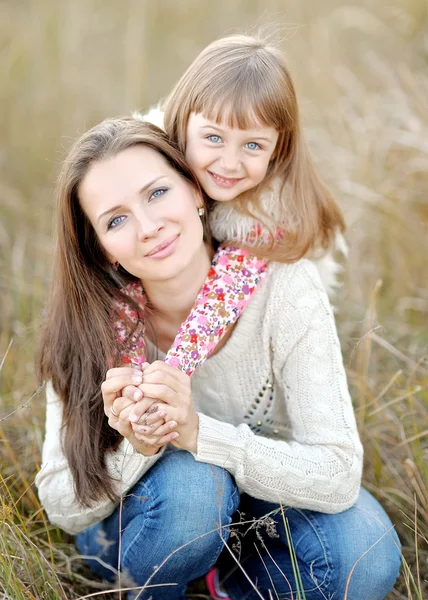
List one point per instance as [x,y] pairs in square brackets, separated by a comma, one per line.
[244,82]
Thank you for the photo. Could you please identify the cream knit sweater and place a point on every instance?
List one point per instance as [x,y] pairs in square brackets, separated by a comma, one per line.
[274,410]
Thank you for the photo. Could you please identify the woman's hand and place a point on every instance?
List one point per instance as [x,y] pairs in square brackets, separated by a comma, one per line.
[169,390]
[120,393]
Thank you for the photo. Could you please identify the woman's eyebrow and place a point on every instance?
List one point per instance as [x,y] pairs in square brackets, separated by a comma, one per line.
[143,189]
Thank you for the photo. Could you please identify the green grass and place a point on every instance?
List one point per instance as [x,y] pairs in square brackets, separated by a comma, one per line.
[362,76]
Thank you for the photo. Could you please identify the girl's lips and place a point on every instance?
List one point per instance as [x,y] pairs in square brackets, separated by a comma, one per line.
[224,182]
[164,249]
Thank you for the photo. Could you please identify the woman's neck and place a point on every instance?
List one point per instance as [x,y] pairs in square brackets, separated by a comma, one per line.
[173,300]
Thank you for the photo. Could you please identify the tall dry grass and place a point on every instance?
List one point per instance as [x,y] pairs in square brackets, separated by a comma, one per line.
[361,71]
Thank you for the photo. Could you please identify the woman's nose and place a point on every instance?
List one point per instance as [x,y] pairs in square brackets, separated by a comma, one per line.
[148,225]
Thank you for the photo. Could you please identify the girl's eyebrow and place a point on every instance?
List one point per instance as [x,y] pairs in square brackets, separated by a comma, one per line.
[252,137]
[211,127]
[143,189]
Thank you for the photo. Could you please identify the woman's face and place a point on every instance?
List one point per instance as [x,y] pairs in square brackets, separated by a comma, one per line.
[144,213]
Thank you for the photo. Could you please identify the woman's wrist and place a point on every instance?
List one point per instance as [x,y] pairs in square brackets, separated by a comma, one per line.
[192,443]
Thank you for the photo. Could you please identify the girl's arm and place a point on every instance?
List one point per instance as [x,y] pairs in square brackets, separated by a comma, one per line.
[55,484]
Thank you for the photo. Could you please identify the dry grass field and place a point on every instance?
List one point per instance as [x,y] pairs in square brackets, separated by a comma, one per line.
[361,70]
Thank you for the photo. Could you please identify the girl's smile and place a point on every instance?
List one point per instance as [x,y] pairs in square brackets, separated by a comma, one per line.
[224,182]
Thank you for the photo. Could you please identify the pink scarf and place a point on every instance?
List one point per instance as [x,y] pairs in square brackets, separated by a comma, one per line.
[233,278]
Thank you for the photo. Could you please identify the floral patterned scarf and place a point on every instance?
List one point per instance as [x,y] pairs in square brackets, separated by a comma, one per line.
[233,278]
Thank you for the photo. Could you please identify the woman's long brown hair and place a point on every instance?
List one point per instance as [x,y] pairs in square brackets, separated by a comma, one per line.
[77,343]
[245,82]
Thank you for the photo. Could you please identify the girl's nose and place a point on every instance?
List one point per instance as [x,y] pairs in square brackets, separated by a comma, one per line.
[230,160]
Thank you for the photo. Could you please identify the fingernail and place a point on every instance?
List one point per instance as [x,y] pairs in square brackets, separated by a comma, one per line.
[137,395]
[134,418]
[175,436]
[172,424]
[162,414]
[137,378]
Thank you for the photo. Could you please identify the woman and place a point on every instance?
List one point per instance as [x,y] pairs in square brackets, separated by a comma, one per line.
[267,421]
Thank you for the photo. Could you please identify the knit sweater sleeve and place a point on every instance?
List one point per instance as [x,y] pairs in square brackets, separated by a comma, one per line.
[319,466]
[55,483]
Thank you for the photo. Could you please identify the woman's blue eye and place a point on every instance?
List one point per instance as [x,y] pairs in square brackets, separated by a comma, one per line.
[253,146]
[214,138]
[114,222]
[157,193]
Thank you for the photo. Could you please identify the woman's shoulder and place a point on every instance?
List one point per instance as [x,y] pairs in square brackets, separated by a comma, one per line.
[294,278]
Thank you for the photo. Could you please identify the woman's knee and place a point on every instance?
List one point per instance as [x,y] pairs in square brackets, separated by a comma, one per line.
[188,507]
[186,492]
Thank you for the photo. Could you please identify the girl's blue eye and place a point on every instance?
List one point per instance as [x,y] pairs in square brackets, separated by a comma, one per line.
[253,146]
[158,193]
[114,222]
[214,138]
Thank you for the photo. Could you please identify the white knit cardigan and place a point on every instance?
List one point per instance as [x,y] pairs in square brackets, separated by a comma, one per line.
[273,404]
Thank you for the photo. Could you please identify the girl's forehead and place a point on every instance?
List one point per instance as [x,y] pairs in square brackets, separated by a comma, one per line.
[226,120]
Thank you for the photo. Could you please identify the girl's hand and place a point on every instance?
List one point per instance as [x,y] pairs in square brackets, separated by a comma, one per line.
[117,407]
[169,390]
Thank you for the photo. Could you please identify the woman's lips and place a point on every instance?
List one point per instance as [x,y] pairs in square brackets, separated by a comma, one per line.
[165,248]
[224,182]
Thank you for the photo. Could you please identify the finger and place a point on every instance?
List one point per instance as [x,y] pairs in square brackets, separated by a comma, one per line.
[139,410]
[115,407]
[158,431]
[149,430]
[158,410]
[119,371]
[159,391]
[160,372]
[166,439]
[110,387]
[132,392]
[123,406]
[145,408]
[168,378]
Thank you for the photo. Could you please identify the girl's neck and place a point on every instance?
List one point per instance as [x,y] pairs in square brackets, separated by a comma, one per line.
[172,300]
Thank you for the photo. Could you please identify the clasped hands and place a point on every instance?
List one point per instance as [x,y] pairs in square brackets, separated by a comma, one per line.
[151,406]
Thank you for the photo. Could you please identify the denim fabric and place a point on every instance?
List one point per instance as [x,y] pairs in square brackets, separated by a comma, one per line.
[176,511]
[168,513]
[353,554]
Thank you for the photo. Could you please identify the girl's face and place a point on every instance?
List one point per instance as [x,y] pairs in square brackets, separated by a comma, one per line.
[226,160]
[144,214]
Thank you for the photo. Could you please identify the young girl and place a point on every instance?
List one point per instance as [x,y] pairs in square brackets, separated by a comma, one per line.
[234,114]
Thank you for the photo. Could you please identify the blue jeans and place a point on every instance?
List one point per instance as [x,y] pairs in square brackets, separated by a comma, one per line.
[175,521]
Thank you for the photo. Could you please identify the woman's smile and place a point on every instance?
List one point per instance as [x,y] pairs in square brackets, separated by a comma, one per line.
[165,248]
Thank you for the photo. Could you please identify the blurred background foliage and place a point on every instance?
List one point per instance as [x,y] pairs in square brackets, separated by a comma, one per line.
[362,77]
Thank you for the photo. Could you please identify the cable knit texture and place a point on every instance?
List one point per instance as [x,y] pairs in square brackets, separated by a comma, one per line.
[274,404]
[274,410]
